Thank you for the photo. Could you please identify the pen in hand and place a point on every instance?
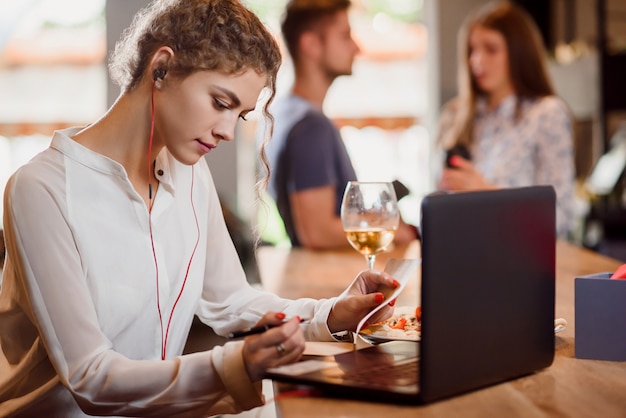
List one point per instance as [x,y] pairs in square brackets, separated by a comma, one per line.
[255,330]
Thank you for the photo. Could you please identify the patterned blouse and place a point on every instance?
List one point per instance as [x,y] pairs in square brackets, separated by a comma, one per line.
[535,150]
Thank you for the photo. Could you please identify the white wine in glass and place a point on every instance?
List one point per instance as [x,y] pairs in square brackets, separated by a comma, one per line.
[370,217]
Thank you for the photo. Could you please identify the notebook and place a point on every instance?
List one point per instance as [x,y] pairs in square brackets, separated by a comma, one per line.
[487,300]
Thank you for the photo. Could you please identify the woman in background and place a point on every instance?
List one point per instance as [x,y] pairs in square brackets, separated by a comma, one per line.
[507,128]
[115,239]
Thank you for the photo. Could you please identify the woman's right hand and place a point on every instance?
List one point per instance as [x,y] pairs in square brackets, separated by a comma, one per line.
[364,294]
[462,177]
[280,345]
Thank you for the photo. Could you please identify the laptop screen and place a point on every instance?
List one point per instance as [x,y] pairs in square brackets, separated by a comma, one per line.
[488,271]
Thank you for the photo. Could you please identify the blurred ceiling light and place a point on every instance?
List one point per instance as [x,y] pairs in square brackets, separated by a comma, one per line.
[28,17]
[70,12]
[382,23]
[405,7]
[53,32]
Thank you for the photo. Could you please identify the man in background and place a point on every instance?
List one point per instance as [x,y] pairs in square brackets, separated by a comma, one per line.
[309,163]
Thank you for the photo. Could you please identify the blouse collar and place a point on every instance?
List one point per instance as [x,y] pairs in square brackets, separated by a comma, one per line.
[62,141]
[505,109]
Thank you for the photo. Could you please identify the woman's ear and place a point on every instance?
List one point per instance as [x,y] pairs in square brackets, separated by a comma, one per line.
[159,62]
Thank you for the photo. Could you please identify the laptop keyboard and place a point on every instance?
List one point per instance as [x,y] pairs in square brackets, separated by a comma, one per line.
[401,373]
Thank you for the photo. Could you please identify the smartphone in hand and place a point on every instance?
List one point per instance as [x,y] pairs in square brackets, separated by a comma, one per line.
[460,150]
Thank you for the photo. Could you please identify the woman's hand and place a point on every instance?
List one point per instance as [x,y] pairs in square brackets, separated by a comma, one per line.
[365,293]
[463,177]
[280,345]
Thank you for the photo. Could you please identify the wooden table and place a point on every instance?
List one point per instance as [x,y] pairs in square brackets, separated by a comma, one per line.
[569,388]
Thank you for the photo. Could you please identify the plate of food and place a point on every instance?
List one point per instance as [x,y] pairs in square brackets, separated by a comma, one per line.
[405,325]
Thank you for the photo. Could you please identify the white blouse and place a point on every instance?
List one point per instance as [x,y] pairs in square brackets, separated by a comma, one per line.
[537,149]
[79,305]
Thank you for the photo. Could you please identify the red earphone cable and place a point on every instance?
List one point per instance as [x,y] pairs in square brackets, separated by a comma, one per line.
[158,299]
[156,264]
[167,331]
[150,145]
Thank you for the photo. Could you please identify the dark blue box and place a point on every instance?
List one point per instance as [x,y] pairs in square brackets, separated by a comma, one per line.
[600,310]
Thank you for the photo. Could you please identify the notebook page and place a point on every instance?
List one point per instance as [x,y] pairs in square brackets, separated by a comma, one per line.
[402,270]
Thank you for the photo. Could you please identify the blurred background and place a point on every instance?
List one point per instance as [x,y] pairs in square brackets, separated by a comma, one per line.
[53,75]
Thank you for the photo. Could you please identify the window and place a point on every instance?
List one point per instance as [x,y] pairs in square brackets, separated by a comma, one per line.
[52,74]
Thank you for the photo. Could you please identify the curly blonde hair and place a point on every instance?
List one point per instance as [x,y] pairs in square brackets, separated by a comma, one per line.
[214,35]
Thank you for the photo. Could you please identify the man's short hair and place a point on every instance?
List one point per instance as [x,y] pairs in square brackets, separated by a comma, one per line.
[306,15]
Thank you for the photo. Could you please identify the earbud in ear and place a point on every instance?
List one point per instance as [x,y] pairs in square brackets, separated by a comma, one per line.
[158,73]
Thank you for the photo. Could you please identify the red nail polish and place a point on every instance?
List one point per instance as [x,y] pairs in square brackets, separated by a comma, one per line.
[455,160]
[396,283]
[379,298]
[280,315]
[392,303]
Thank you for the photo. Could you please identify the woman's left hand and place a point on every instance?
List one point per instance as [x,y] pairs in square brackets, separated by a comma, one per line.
[463,177]
[364,294]
[282,344]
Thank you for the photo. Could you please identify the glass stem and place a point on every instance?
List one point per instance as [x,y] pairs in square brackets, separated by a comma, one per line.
[370,261]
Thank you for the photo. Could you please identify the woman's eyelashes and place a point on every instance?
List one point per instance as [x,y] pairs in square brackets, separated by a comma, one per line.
[220,104]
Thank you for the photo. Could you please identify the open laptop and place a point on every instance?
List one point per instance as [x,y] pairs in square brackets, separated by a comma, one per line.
[487,297]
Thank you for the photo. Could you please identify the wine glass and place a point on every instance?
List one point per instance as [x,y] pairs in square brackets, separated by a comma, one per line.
[370,217]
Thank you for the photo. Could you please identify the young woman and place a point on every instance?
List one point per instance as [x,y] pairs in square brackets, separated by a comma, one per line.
[115,239]
[515,130]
